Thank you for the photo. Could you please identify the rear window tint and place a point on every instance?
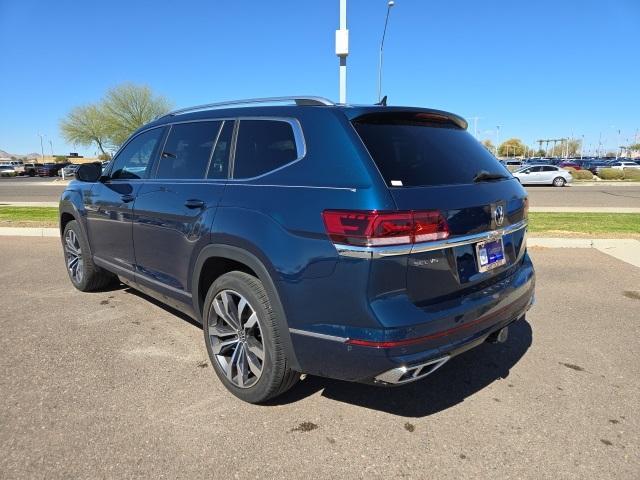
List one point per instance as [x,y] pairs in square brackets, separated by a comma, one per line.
[414,150]
[262,146]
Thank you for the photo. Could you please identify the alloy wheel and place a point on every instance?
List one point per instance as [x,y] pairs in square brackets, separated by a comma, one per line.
[75,265]
[235,337]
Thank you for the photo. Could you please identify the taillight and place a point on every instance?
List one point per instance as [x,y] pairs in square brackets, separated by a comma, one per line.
[373,228]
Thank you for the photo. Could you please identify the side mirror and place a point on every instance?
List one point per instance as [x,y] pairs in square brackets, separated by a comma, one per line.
[89,172]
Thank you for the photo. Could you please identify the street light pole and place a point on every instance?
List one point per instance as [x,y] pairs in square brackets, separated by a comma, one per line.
[342,50]
[390,4]
[41,146]
[497,138]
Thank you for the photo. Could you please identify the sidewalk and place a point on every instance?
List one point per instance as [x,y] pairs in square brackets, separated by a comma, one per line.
[627,250]
[585,209]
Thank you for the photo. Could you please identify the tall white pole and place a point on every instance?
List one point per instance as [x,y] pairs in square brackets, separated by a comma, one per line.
[342,50]
[390,4]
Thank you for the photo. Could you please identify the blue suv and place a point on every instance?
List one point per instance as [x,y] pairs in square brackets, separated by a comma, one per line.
[364,243]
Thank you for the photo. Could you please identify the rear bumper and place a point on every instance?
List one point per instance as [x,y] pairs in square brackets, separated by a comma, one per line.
[433,333]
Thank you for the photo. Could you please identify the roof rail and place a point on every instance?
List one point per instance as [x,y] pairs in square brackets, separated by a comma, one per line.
[298,100]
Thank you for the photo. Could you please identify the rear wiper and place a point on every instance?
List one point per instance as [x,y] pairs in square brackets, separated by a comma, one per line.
[484,176]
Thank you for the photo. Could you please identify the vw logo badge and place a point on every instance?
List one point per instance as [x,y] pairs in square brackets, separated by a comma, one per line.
[498,215]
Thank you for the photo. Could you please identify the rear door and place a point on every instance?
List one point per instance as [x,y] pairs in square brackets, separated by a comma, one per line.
[430,163]
[174,209]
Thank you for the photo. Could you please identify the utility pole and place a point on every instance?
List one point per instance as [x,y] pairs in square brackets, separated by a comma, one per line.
[51,145]
[342,50]
[41,146]
[390,4]
[475,126]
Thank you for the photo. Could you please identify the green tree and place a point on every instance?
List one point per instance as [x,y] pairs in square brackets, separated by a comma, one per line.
[86,125]
[635,147]
[59,159]
[127,107]
[512,148]
[108,123]
[570,145]
[488,144]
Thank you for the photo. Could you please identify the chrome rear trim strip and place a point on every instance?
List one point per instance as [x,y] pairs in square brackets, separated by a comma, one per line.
[380,252]
[322,336]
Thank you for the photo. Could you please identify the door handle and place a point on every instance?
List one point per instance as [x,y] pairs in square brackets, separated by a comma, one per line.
[194,203]
[127,198]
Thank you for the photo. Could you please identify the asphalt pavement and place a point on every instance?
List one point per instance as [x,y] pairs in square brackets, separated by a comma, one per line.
[113,385]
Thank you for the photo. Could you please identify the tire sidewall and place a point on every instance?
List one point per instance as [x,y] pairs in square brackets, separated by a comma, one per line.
[559,182]
[264,386]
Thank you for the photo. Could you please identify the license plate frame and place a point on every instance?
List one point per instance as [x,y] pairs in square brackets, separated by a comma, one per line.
[490,254]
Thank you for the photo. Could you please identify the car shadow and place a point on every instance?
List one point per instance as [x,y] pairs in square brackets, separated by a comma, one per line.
[455,381]
[451,384]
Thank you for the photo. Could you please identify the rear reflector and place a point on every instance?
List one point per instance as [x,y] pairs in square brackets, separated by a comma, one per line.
[370,228]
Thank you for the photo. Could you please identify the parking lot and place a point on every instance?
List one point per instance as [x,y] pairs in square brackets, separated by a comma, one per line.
[113,385]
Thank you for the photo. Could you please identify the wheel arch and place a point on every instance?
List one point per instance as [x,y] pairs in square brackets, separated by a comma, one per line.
[215,260]
[68,211]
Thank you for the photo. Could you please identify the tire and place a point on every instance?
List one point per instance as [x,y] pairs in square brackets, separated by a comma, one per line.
[559,182]
[235,347]
[83,273]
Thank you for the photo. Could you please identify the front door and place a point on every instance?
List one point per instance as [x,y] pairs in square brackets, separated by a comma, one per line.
[109,203]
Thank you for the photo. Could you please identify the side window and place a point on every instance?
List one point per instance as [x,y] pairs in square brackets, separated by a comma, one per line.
[134,160]
[187,150]
[536,169]
[219,166]
[549,169]
[262,146]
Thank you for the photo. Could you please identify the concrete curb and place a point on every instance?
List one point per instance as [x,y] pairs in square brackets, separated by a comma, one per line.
[29,232]
[29,204]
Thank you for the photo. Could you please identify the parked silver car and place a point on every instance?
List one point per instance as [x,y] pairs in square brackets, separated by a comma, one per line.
[543,175]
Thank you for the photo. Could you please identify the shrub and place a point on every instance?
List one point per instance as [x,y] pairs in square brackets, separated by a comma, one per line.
[59,159]
[582,175]
[632,173]
[611,174]
[570,169]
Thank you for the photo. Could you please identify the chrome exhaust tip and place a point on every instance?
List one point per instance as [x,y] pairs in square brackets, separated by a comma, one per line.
[406,374]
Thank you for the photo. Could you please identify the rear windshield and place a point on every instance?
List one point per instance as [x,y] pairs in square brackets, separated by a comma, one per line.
[419,149]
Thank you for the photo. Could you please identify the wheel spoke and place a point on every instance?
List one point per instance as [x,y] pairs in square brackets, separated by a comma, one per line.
[233,363]
[243,371]
[222,345]
[255,347]
[221,330]
[251,321]
[254,366]
[221,309]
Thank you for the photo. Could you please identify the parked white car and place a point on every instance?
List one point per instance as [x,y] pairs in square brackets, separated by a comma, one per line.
[543,175]
[17,165]
[623,165]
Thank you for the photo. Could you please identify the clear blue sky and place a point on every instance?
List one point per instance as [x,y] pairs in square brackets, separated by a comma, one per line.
[540,69]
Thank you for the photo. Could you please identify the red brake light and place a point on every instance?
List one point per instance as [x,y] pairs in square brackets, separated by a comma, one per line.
[373,228]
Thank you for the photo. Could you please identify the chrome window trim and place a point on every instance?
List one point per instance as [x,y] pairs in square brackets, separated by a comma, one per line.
[298,135]
[387,251]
